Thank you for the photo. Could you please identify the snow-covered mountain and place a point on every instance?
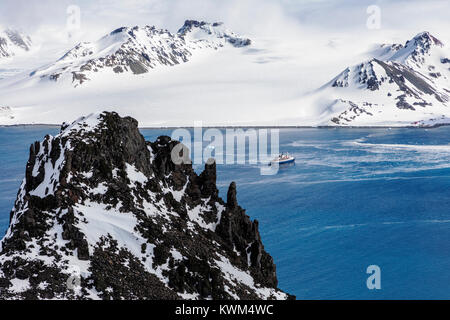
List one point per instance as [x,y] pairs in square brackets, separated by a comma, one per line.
[5,113]
[137,50]
[401,85]
[104,214]
[12,43]
[227,82]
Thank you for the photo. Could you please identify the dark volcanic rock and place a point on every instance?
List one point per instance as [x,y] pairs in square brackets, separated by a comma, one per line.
[103,214]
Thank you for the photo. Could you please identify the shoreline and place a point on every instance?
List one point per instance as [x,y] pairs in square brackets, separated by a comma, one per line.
[248,127]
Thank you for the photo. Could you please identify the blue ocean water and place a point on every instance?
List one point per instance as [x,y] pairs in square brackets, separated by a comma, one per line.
[354,198]
[14,151]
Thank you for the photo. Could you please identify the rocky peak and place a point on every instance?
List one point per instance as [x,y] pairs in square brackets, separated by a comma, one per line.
[208,179]
[189,25]
[201,30]
[416,51]
[13,42]
[99,199]
[424,40]
[19,39]
[231,196]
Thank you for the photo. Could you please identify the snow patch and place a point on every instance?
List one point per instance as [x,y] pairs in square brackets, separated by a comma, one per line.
[135,175]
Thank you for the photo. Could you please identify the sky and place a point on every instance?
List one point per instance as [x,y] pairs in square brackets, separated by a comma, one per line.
[47,20]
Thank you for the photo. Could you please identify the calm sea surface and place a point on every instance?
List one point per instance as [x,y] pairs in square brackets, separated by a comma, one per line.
[354,198]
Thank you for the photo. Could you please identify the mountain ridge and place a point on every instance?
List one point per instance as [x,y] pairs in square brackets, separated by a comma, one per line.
[137,50]
[411,77]
[12,42]
[401,85]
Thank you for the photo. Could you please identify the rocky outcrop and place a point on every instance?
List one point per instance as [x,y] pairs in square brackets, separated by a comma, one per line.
[104,214]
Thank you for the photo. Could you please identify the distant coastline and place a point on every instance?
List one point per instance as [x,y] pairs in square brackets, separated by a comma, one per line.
[248,127]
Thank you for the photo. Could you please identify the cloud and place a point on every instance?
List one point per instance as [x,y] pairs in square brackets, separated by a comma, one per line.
[26,15]
[333,19]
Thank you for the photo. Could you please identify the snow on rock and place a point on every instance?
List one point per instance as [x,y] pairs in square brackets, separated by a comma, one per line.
[6,113]
[417,50]
[403,85]
[137,50]
[13,43]
[104,214]
[142,71]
